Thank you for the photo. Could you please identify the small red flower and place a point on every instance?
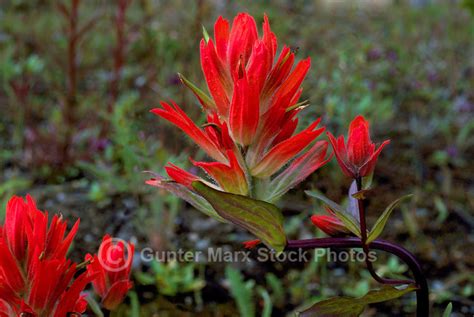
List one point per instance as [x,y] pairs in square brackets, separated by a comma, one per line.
[329,224]
[359,156]
[111,268]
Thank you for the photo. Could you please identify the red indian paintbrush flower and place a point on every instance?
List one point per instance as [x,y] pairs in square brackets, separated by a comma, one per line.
[251,117]
[329,224]
[35,276]
[111,266]
[358,157]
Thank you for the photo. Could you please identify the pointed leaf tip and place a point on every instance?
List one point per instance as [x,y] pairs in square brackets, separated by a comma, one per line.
[203,98]
[205,34]
[382,221]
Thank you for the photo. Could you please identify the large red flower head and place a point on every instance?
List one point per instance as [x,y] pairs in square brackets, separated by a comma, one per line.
[35,276]
[111,268]
[358,157]
[251,115]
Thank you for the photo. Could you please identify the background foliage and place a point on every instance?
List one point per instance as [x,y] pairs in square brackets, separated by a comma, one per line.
[76,87]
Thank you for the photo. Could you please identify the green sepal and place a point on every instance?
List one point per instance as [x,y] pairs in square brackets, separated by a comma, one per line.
[204,99]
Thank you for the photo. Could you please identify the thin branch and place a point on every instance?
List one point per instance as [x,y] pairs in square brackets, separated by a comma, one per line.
[422,294]
[365,246]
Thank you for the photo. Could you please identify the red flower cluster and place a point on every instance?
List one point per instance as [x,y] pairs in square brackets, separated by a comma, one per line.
[251,116]
[111,268]
[251,123]
[358,157]
[36,278]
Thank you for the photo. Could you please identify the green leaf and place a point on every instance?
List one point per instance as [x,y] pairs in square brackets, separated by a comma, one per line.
[276,286]
[448,310]
[267,302]
[204,99]
[94,306]
[134,304]
[144,278]
[262,219]
[380,223]
[353,307]
[347,219]
[241,291]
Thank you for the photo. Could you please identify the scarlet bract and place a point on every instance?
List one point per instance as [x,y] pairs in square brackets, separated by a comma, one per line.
[36,278]
[35,275]
[251,117]
[358,157]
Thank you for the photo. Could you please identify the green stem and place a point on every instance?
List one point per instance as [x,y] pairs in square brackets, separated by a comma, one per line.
[94,306]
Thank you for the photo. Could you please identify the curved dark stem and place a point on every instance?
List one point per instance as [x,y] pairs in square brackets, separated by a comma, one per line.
[422,294]
[365,246]
[378,278]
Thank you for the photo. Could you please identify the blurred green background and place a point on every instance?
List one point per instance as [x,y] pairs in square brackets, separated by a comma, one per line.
[77,81]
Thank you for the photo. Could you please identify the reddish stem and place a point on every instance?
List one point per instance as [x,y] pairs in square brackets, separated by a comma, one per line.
[365,246]
[118,51]
[422,294]
[71,88]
